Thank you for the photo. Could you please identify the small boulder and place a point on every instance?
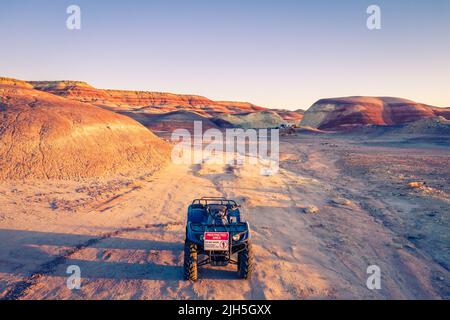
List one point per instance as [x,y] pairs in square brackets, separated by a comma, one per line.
[416,185]
[310,210]
[340,201]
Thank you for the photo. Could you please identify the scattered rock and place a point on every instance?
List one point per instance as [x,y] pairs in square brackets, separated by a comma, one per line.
[340,201]
[396,245]
[422,187]
[267,172]
[311,210]
[416,185]
[415,236]
[53,205]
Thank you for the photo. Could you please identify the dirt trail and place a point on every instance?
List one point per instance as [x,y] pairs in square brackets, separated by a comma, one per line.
[129,246]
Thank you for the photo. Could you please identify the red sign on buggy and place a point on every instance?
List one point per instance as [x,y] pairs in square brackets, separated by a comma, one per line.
[216,241]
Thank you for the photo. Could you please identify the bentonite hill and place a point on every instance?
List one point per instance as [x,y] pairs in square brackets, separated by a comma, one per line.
[350,112]
[46,136]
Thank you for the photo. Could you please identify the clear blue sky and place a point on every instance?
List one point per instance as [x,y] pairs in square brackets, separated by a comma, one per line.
[284,54]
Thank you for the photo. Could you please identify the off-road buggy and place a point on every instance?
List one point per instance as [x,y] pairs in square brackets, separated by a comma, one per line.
[216,235]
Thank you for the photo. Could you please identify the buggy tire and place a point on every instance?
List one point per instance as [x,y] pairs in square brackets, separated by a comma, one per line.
[190,261]
[246,262]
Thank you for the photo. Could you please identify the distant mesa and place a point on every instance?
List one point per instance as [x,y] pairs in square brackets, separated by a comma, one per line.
[70,130]
[46,136]
[144,101]
[141,105]
[351,112]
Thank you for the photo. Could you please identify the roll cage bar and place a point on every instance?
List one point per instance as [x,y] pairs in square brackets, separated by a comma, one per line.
[215,200]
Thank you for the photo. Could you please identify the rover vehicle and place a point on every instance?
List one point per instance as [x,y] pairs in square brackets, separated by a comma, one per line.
[216,235]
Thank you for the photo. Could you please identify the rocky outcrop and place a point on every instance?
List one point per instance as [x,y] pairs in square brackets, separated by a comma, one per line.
[51,137]
[442,112]
[436,125]
[261,119]
[345,113]
[75,90]
[15,83]
[293,117]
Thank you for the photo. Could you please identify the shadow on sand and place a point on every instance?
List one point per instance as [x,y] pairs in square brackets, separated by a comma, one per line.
[21,255]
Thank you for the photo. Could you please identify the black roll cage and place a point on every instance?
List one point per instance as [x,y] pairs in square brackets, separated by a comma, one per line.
[215,200]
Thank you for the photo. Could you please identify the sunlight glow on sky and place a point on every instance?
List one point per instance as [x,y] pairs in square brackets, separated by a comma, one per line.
[280,54]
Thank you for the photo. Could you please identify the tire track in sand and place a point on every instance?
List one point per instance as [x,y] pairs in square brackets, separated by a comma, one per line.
[21,288]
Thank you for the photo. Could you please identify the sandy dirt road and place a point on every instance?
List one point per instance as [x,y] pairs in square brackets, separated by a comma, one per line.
[127,235]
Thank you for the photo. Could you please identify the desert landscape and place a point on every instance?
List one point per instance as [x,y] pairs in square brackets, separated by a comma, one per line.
[86,179]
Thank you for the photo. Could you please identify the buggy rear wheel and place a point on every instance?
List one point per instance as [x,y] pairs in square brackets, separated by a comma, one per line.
[190,261]
[245,262]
